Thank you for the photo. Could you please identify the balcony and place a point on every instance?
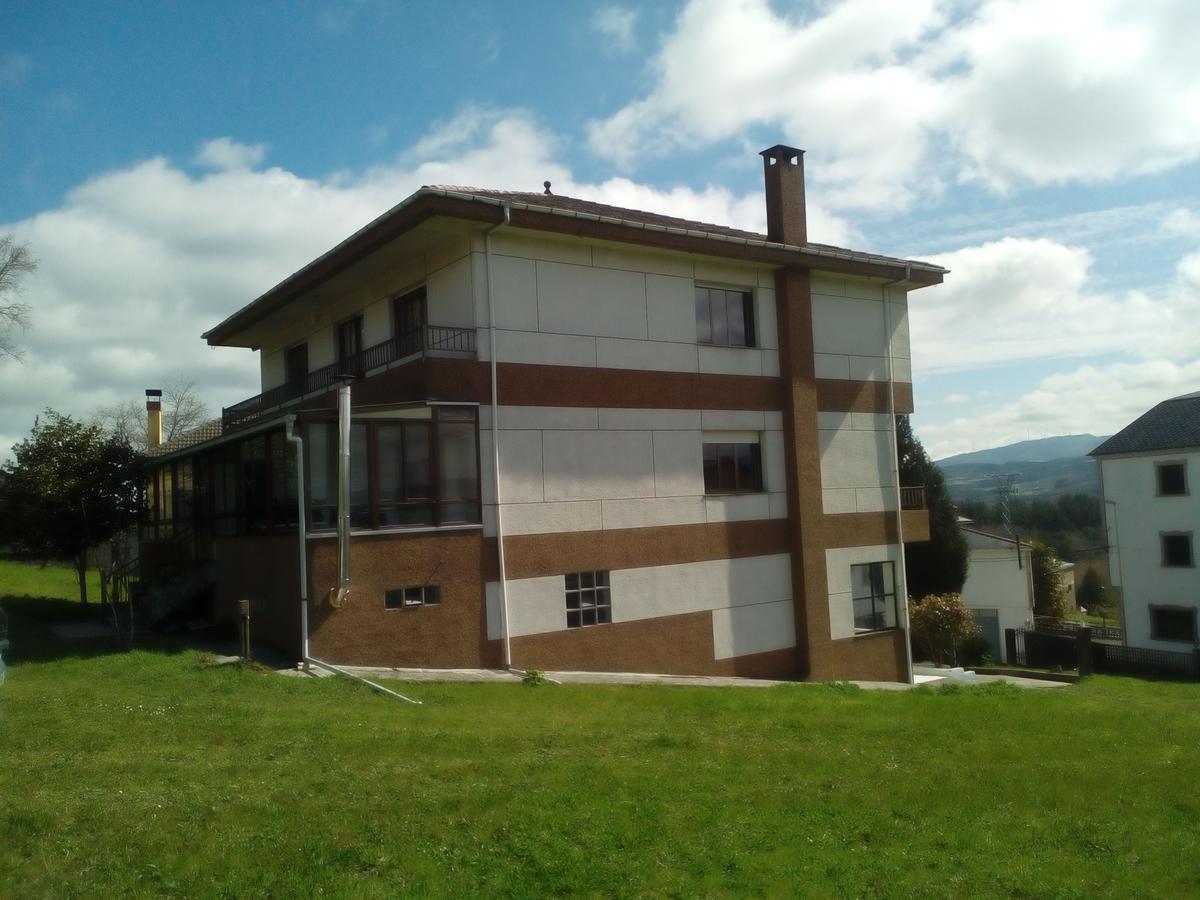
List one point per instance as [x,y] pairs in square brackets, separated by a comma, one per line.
[914,514]
[431,340]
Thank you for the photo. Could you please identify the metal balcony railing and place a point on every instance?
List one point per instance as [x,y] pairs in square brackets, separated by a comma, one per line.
[912,497]
[431,339]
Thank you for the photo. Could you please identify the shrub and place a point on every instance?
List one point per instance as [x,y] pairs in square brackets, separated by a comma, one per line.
[942,623]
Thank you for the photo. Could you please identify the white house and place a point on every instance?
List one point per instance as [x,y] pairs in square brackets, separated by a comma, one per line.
[1149,474]
[999,586]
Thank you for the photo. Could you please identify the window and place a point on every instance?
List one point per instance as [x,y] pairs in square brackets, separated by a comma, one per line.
[296,367]
[732,468]
[405,598]
[350,341]
[1177,548]
[1172,479]
[408,313]
[724,318]
[873,593]
[404,472]
[588,599]
[1173,623]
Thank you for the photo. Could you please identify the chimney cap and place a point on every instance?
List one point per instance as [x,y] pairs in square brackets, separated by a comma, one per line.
[153,392]
[781,151]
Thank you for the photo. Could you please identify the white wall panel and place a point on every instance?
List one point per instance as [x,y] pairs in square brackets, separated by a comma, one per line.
[655,356]
[678,463]
[449,296]
[837,571]
[271,369]
[515,293]
[743,630]
[831,365]
[650,419]
[730,360]
[535,606]
[671,308]
[653,591]
[548,518]
[654,512]
[738,508]
[584,300]
[586,465]
[546,349]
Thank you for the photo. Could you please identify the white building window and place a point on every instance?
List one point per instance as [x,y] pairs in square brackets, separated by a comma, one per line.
[1177,549]
[1172,479]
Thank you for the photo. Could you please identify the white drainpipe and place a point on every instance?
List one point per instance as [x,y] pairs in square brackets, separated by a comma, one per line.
[901,569]
[503,590]
[301,514]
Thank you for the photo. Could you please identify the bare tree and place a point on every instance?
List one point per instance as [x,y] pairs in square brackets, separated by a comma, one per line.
[15,263]
[183,410]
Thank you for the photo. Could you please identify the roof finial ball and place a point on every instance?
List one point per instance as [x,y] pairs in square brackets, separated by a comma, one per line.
[546,185]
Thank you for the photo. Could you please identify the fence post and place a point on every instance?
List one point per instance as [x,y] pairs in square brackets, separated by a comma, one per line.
[1010,646]
[1083,638]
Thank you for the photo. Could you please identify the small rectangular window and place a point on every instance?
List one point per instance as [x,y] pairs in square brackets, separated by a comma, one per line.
[1177,549]
[588,599]
[873,594]
[1173,623]
[407,598]
[724,318]
[1172,479]
[350,340]
[296,366]
[732,468]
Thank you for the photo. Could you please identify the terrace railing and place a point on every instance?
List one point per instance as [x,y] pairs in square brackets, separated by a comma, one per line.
[912,497]
[429,340]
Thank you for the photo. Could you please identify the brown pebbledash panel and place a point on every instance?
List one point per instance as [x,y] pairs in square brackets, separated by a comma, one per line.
[670,645]
[521,384]
[535,555]
[265,571]
[868,657]
[452,634]
[839,395]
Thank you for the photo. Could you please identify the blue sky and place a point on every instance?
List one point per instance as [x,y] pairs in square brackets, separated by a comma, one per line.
[168,162]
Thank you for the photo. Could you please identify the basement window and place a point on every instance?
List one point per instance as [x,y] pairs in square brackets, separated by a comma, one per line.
[1172,479]
[1173,623]
[588,599]
[1177,549]
[406,598]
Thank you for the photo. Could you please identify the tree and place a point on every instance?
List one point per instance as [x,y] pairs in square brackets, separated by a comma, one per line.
[15,263]
[183,410]
[69,488]
[941,623]
[939,565]
[1048,596]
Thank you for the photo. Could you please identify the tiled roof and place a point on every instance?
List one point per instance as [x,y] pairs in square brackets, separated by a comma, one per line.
[1173,424]
[198,435]
[586,208]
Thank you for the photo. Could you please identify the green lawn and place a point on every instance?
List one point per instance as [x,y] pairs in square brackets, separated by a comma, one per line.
[155,773]
[21,579]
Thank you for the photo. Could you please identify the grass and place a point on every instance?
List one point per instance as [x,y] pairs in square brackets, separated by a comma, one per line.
[22,579]
[153,772]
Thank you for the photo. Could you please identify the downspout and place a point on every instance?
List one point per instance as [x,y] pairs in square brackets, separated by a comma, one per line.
[502,587]
[902,570]
[343,575]
[337,596]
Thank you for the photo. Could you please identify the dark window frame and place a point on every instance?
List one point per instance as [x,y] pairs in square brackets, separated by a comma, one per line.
[295,375]
[1155,630]
[879,598]
[403,305]
[1160,468]
[412,597]
[1167,562]
[347,356]
[723,471]
[717,325]
[588,595]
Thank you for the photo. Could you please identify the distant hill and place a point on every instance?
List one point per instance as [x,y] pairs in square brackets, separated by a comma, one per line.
[1043,468]
[1041,450]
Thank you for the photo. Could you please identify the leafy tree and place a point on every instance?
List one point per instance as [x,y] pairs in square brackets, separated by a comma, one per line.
[1048,596]
[938,566]
[68,489]
[15,263]
[941,623]
[183,410]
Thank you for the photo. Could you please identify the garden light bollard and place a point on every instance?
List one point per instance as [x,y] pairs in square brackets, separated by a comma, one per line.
[244,627]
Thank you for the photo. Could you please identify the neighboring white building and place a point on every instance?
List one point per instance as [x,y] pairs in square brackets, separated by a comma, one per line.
[1149,479]
[999,586]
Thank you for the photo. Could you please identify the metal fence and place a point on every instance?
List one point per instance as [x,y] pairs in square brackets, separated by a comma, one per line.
[1069,628]
[1041,648]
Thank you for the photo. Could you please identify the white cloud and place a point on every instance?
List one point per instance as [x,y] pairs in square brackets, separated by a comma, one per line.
[616,23]
[137,262]
[225,154]
[898,98]
[1087,400]
[1021,299]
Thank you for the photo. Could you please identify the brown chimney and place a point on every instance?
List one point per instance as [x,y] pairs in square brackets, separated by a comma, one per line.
[153,418]
[783,171]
